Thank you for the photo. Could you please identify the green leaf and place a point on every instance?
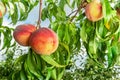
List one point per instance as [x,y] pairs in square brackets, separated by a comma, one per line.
[62,4]
[11,7]
[109,54]
[54,74]
[31,65]
[28,73]
[66,37]
[1,20]
[23,75]
[7,36]
[101,32]
[49,70]
[20,59]
[68,51]
[61,75]
[61,32]
[93,48]
[16,75]
[61,15]
[68,2]
[23,11]
[14,16]
[107,10]
[51,61]
[7,39]
[54,26]
[114,51]
[83,33]
[44,13]
[21,6]
[73,4]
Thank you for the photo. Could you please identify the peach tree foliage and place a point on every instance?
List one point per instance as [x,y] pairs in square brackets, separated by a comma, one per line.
[100,38]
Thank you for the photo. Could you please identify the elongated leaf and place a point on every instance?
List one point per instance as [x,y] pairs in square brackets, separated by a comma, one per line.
[31,65]
[21,59]
[53,74]
[67,48]
[27,71]
[23,75]
[14,15]
[66,37]
[16,75]
[60,75]
[48,74]
[108,13]
[62,4]
[61,32]
[83,33]
[1,20]
[7,36]
[51,61]
[114,51]
[38,61]
[110,58]
[101,32]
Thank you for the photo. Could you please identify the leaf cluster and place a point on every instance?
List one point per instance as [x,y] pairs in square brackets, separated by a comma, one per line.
[92,72]
[7,65]
[18,10]
[7,37]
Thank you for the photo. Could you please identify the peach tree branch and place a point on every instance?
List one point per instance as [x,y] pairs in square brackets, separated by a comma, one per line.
[82,5]
[40,15]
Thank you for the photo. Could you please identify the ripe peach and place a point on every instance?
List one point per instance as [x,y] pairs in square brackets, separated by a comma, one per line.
[22,33]
[2,9]
[93,11]
[44,41]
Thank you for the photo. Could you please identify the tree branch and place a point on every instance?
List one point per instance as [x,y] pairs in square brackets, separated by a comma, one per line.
[82,5]
[40,15]
[72,12]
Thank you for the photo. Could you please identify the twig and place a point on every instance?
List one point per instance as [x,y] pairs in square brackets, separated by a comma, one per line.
[72,12]
[40,15]
[82,5]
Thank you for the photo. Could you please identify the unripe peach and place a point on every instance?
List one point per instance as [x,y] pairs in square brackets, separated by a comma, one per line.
[93,11]
[22,33]
[2,9]
[44,41]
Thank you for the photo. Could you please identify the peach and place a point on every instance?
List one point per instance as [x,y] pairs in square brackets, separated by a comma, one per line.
[2,9]
[93,11]
[44,41]
[22,33]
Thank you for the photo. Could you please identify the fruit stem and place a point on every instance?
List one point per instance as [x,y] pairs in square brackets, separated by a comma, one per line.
[40,15]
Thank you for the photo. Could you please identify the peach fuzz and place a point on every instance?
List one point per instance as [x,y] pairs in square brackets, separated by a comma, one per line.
[22,33]
[44,41]
[93,11]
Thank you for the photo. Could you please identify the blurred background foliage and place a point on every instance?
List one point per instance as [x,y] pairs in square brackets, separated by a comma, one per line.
[88,71]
